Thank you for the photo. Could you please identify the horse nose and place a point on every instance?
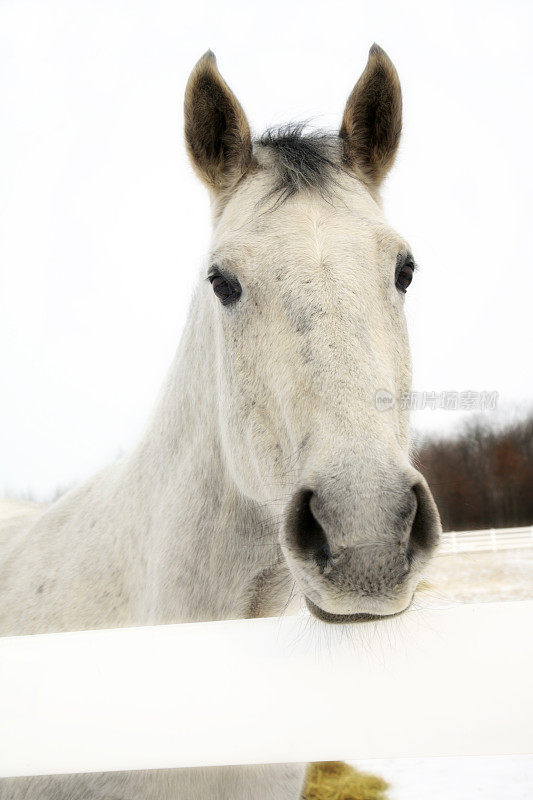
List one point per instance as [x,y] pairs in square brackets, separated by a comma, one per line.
[413,528]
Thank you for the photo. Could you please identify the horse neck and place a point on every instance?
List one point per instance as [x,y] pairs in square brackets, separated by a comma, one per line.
[210,553]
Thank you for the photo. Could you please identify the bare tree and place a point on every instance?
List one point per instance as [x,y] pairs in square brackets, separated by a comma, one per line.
[482,477]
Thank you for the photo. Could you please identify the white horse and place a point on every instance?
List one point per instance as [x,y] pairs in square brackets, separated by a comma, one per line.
[267,468]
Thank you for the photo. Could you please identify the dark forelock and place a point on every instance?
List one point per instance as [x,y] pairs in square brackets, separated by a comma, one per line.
[302,160]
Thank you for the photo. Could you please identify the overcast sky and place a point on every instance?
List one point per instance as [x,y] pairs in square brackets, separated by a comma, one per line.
[103,226]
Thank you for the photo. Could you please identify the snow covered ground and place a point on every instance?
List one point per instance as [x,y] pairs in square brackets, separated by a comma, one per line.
[467,778]
[480,577]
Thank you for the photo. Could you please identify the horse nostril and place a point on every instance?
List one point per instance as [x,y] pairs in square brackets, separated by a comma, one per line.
[424,535]
[304,531]
[322,557]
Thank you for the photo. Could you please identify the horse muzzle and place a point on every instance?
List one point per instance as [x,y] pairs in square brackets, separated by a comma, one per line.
[351,571]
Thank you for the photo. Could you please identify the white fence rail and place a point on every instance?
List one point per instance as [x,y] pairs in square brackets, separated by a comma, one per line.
[434,682]
[491,539]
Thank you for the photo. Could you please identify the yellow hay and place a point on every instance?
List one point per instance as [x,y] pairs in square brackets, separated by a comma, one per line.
[335,780]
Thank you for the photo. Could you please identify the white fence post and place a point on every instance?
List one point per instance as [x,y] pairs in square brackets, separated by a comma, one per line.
[454,542]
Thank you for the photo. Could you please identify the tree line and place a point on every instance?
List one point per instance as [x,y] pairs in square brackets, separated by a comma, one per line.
[482,477]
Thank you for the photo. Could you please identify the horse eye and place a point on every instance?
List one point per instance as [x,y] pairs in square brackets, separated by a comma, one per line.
[226,289]
[404,275]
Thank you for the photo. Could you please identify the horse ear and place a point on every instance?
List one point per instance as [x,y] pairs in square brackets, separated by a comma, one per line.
[372,121]
[217,133]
